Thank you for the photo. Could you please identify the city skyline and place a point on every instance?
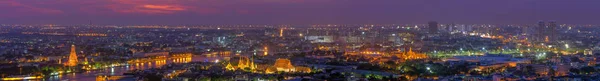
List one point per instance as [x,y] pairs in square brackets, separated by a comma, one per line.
[299,40]
[197,12]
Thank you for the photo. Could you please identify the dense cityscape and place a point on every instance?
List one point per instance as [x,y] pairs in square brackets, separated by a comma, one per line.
[299,40]
[543,50]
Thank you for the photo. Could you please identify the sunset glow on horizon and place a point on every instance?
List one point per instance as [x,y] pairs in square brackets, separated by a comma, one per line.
[293,11]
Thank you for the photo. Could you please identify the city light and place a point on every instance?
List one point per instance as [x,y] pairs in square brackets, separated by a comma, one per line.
[308,40]
[21,78]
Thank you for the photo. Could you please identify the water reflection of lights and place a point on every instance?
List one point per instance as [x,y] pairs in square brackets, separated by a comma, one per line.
[159,63]
[22,78]
[112,70]
[154,63]
[182,60]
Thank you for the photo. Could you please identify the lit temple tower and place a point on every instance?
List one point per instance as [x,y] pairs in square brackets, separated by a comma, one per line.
[243,62]
[252,65]
[281,32]
[72,57]
[229,66]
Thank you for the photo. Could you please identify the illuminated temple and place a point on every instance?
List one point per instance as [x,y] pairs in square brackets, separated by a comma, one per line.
[411,55]
[72,57]
[281,65]
[243,62]
[285,65]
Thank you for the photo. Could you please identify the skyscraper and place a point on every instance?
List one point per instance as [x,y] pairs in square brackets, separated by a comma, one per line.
[281,32]
[540,31]
[451,27]
[551,30]
[546,31]
[72,57]
[433,27]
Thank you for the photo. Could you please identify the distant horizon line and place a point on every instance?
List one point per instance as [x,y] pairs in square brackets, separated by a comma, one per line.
[263,24]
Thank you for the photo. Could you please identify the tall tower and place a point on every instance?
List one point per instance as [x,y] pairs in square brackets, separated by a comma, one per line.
[433,27]
[541,31]
[266,50]
[252,65]
[551,30]
[451,27]
[281,32]
[72,57]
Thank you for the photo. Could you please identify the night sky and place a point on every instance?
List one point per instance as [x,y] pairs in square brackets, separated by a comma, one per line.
[197,12]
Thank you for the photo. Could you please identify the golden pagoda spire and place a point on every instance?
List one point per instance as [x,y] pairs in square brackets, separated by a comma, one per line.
[72,57]
[248,62]
[410,50]
[252,66]
[243,62]
[229,67]
[281,32]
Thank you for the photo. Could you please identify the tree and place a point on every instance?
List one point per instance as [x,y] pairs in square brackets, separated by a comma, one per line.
[576,59]
[574,70]
[588,70]
[280,78]
[153,77]
[390,62]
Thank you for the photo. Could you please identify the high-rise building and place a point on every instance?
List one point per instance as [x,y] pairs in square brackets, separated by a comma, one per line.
[433,27]
[551,30]
[72,57]
[273,32]
[281,32]
[451,27]
[540,31]
[546,31]
[525,30]
[462,28]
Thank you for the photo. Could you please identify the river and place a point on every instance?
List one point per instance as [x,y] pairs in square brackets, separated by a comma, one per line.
[118,71]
